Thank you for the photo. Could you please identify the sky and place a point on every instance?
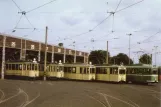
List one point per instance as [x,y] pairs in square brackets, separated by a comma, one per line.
[80,23]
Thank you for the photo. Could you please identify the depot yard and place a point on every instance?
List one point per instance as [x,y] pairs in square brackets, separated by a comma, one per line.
[17,93]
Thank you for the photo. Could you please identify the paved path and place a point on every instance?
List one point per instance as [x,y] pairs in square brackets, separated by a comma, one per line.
[16,93]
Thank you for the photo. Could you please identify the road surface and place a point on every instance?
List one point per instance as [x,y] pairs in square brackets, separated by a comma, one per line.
[17,93]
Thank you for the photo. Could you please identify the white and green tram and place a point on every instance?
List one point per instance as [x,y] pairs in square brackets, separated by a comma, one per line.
[79,71]
[111,73]
[142,74]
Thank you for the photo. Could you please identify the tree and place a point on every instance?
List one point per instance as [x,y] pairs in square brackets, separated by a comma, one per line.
[120,58]
[60,44]
[98,56]
[145,59]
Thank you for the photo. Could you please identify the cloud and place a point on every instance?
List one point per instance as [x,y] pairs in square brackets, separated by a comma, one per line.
[69,18]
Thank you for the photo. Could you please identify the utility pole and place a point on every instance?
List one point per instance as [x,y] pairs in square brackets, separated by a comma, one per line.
[74,54]
[46,36]
[3,57]
[155,54]
[129,45]
[107,54]
[64,55]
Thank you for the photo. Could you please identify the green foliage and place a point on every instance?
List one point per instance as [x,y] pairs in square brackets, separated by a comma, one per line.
[120,58]
[98,57]
[145,59]
[60,44]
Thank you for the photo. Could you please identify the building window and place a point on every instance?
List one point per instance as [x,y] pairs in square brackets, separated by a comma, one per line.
[70,51]
[32,46]
[80,53]
[13,44]
[59,50]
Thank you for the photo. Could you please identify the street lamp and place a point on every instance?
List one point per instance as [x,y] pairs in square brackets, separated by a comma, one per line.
[129,45]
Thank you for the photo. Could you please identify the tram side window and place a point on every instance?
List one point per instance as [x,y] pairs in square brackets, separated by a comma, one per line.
[85,71]
[20,67]
[101,70]
[28,67]
[142,70]
[57,69]
[133,71]
[13,67]
[81,70]
[17,66]
[105,71]
[32,67]
[92,70]
[155,72]
[60,68]
[128,71]
[73,69]
[114,71]
[65,69]
[111,70]
[53,68]
[24,66]
[36,67]
[122,71]
[97,70]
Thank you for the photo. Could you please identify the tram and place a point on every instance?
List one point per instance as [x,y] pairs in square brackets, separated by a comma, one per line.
[21,70]
[79,71]
[111,73]
[142,74]
[55,70]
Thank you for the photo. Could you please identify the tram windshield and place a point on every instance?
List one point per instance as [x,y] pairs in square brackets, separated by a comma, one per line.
[121,71]
[154,72]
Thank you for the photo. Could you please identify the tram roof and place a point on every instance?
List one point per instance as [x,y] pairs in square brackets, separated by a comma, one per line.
[109,65]
[78,64]
[19,62]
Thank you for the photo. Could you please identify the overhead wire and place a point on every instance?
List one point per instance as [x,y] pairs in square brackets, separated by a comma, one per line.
[16,5]
[113,14]
[124,9]
[101,22]
[24,13]
[29,21]
[151,36]
[118,5]
[18,21]
[40,6]
[90,29]
[129,6]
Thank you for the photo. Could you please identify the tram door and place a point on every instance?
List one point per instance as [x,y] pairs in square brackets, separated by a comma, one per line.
[122,74]
[60,72]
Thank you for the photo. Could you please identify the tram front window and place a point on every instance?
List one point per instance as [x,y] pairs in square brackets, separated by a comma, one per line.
[155,72]
[122,71]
